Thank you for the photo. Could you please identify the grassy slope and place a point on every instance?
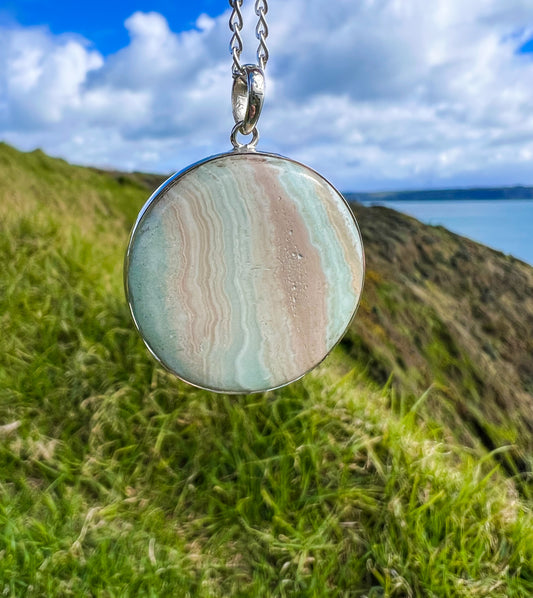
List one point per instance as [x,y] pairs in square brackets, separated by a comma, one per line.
[117,480]
[441,309]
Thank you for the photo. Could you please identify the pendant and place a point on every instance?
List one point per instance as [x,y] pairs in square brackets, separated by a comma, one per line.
[244,270]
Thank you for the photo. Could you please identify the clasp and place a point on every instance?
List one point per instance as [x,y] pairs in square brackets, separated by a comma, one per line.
[247,96]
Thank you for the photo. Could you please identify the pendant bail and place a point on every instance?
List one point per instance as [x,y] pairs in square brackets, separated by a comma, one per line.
[247,96]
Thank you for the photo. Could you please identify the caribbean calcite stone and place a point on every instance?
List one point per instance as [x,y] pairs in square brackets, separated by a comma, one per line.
[244,271]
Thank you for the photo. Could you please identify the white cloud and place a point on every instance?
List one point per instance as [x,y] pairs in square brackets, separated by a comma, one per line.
[374,93]
[42,78]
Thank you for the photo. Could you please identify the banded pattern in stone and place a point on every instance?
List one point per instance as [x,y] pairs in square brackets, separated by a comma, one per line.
[244,271]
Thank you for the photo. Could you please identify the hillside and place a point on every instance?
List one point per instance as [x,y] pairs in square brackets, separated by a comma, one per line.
[440,309]
[118,480]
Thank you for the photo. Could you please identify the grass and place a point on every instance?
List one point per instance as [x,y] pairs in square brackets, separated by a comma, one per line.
[117,480]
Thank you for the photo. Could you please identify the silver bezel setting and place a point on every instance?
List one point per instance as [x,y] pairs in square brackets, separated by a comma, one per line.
[152,200]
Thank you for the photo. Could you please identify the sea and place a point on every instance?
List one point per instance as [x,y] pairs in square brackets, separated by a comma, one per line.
[506,225]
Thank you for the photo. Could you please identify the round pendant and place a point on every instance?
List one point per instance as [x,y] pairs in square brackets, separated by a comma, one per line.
[243,271]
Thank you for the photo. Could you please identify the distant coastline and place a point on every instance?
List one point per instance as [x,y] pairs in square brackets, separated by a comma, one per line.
[475,193]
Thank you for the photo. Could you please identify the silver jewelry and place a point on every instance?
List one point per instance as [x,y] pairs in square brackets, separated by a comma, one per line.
[244,270]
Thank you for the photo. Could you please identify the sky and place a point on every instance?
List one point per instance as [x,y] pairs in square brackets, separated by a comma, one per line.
[374,94]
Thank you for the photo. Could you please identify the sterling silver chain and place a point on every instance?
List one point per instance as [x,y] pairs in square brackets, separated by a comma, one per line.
[261,32]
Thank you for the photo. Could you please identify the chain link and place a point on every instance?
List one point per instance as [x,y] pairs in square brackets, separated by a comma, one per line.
[261,32]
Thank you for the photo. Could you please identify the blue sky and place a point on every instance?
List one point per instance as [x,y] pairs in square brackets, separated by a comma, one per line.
[526,47]
[102,22]
[374,94]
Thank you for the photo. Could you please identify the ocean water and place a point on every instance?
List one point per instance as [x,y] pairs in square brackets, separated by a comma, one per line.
[506,225]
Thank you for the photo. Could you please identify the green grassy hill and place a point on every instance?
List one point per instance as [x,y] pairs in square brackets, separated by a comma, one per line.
[398,468]
[440,309]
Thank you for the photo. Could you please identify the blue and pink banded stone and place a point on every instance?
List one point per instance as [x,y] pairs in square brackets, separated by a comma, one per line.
[244,271]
